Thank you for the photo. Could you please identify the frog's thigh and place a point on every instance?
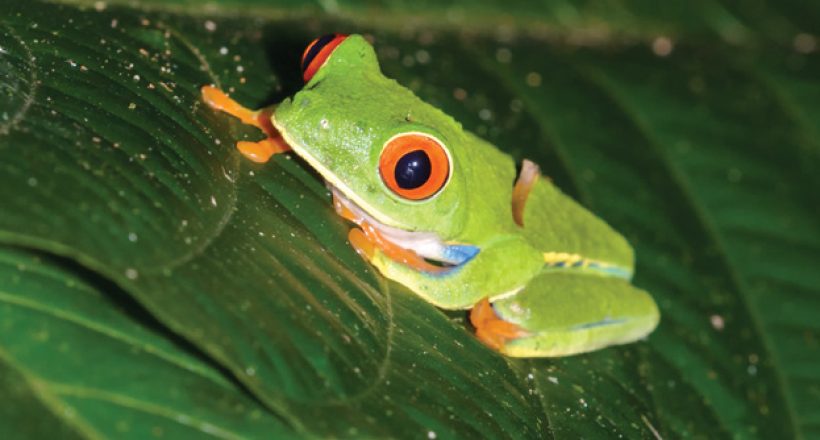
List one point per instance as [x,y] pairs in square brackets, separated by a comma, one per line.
[569,313]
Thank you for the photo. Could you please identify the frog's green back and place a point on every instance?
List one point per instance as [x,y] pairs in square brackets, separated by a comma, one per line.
[571,236]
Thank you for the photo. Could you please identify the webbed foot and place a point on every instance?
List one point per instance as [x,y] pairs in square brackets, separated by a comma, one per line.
[492,330]
[260,151]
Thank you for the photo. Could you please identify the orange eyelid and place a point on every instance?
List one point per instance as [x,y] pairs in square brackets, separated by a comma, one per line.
[402,144]
[320,57]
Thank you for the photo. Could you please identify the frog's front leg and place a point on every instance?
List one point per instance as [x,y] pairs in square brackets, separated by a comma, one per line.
[260,151]
[456,286]
[470,285]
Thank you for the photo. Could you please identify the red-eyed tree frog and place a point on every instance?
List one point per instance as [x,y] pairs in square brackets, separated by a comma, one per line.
[442,211]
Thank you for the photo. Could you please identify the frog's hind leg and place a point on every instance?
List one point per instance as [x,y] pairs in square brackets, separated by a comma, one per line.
[568,313]
[260,151]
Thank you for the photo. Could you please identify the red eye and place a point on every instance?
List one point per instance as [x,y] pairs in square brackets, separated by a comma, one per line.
[414,166]
[317,52]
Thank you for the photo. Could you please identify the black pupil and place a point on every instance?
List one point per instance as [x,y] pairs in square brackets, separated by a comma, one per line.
[314,50]
[413,170]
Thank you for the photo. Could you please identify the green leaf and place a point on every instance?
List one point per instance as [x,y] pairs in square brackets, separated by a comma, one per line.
[80,360]
[239,309]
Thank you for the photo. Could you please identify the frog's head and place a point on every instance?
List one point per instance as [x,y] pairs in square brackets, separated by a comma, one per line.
[383,150]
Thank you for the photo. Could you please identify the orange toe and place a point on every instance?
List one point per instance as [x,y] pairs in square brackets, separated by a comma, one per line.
[489,339]
[218,100]
[492,330]
[361,243]
[261,151]
[481,313]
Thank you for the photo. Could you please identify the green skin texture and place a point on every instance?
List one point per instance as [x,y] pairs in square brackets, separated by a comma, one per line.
[339,124]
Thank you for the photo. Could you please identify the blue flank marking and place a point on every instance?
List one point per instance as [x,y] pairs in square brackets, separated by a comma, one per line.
[601,323]
[614,271]
[459,254]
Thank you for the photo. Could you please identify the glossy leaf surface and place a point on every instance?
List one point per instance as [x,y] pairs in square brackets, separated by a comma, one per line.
[130,213]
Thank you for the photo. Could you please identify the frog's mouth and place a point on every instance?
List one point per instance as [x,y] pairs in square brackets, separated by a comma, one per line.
[435,255]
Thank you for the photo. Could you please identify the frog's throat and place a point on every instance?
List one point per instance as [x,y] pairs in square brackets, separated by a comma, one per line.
[427,245]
